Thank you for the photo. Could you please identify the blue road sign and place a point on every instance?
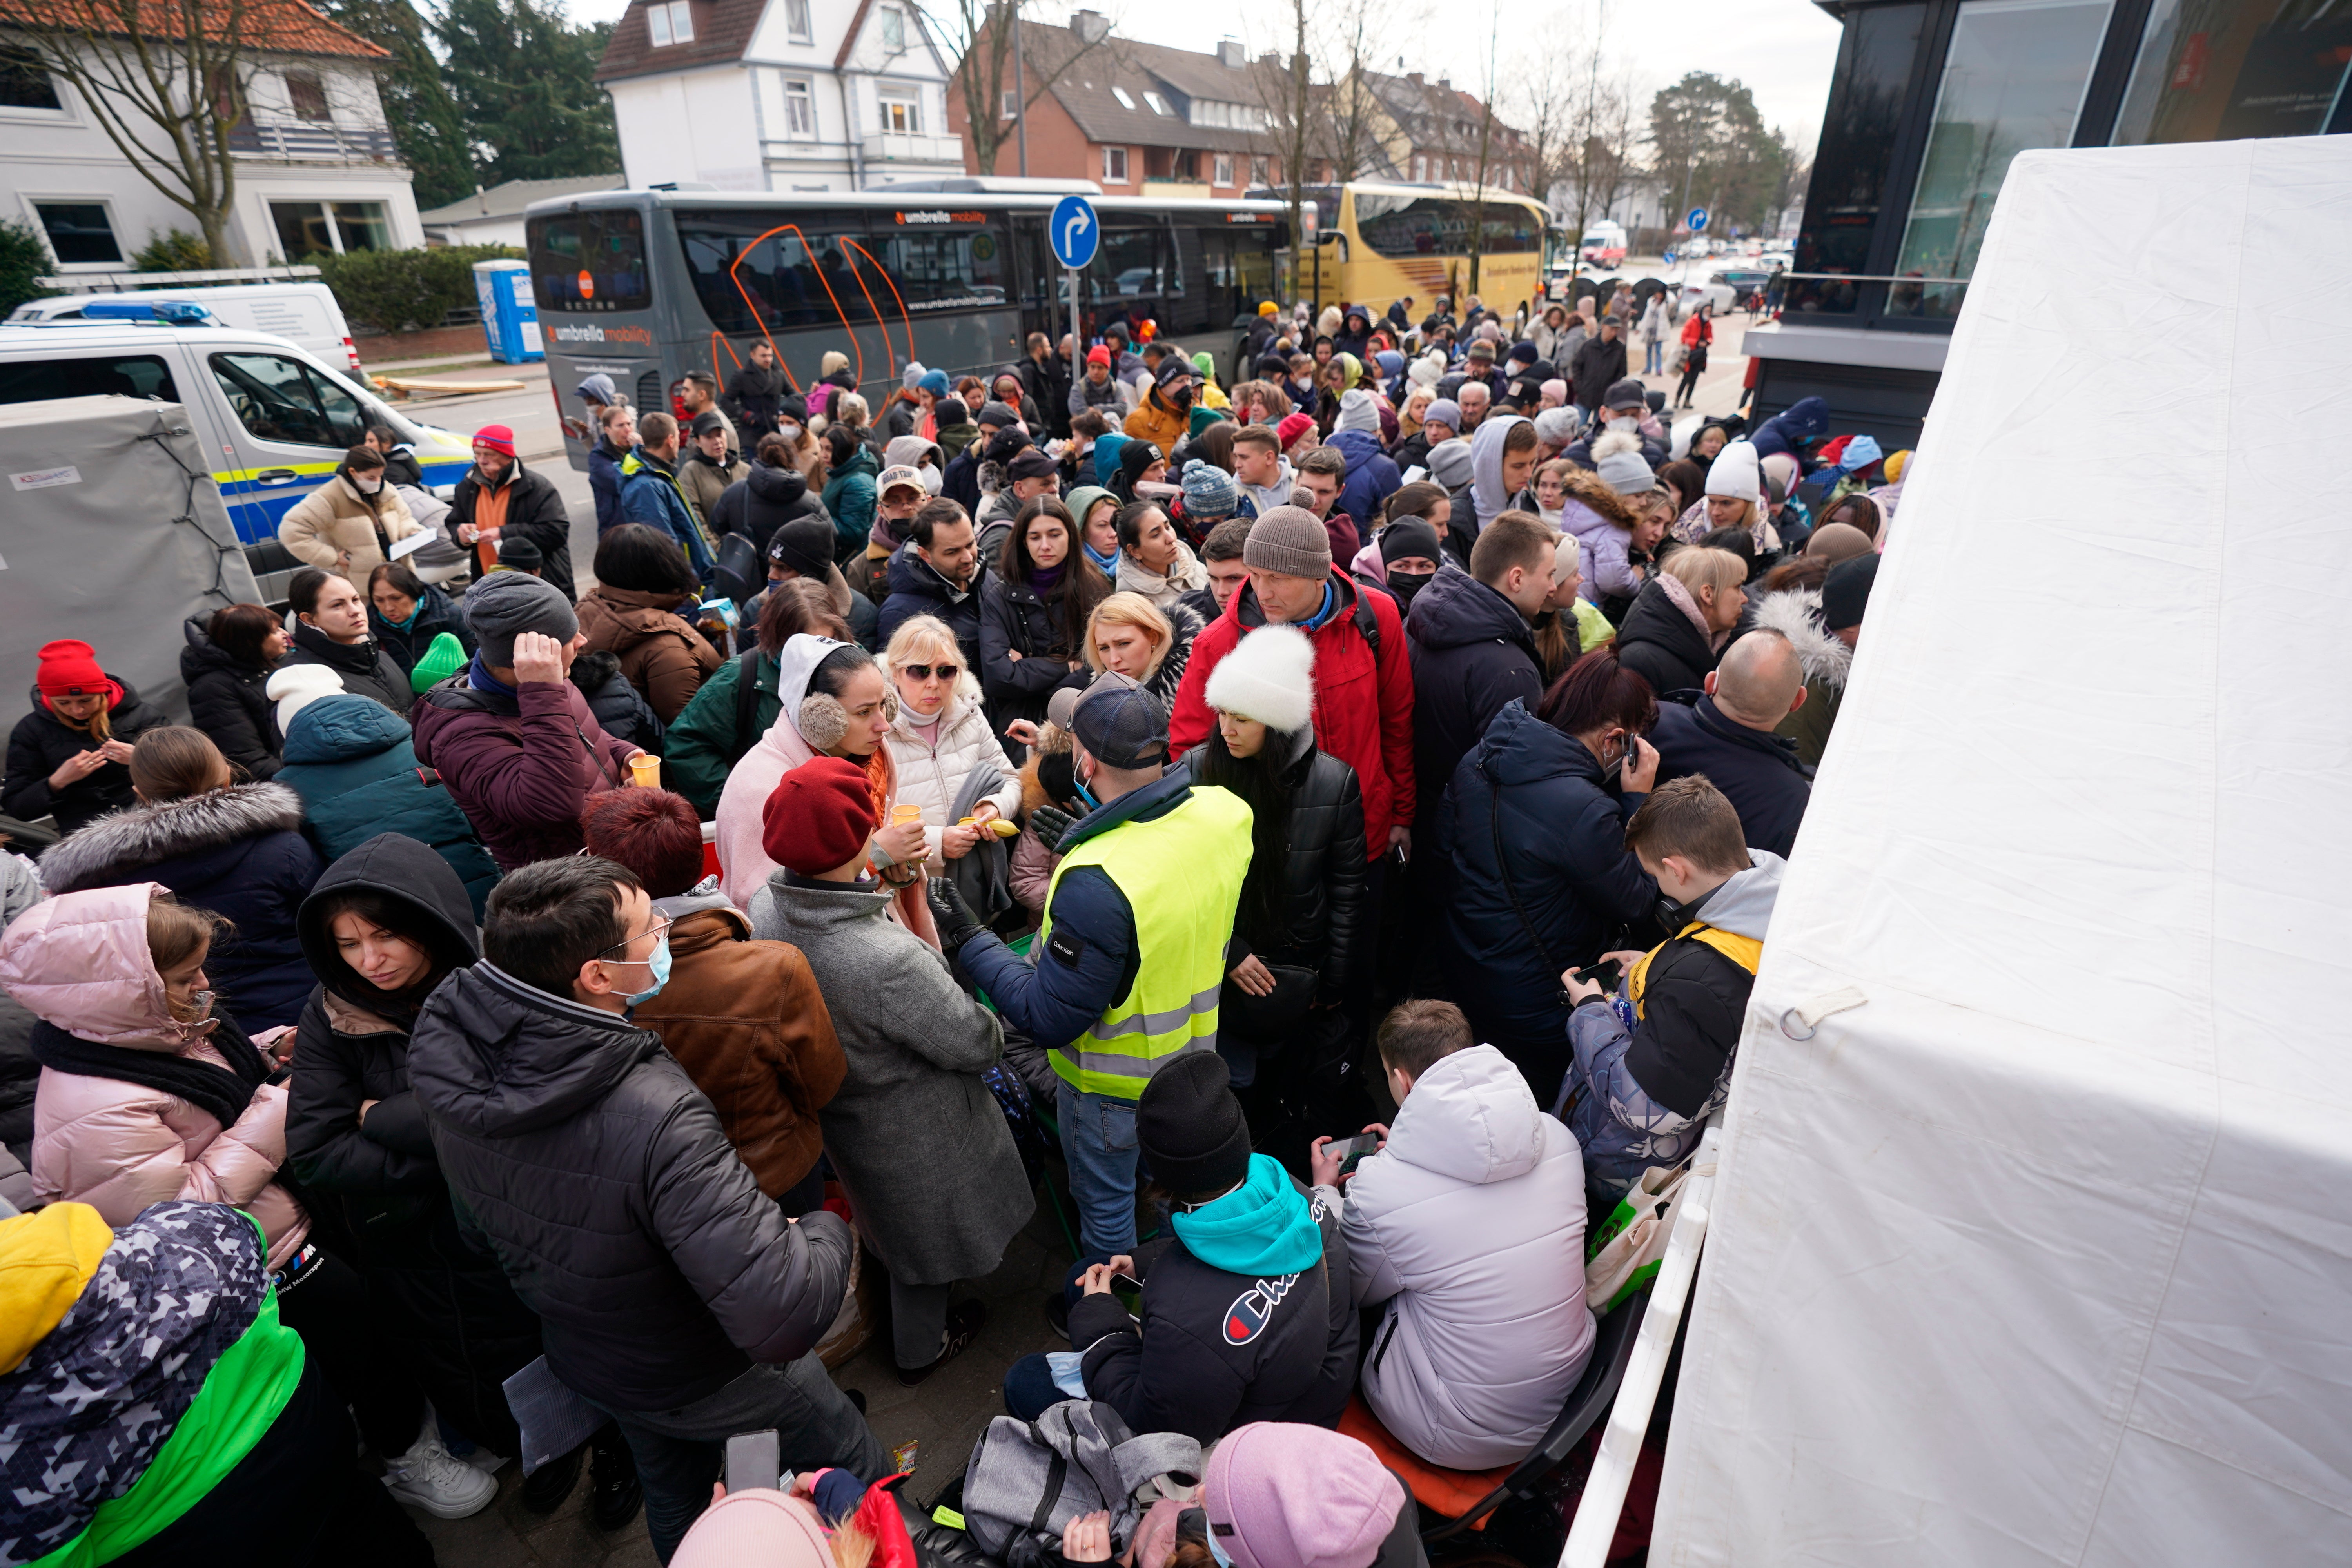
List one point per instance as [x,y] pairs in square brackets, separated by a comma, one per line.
[1075,233]
[1698,219]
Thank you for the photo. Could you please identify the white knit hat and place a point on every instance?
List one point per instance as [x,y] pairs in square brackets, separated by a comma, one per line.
[1268,677]
[1734,474]
[296,685]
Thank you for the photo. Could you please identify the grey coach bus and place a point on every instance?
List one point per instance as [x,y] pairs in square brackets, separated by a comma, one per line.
[646,286]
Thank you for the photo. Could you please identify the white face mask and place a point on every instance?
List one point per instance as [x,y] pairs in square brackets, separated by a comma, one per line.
[789,432]
[1625,423]
[367,487]
[930,478]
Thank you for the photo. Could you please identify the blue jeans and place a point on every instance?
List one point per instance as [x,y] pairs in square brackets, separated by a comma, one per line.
[1653,356]
[678,1451]
[1098,1142]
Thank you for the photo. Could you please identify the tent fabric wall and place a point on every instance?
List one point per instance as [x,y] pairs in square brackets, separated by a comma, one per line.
[2043,1253]
[120,554]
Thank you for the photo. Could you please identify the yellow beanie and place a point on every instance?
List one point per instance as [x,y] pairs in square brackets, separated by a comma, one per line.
[46,1259]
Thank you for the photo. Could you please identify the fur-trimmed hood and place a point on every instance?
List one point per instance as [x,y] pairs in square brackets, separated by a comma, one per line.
[1051,739]
[1796,613]
[1587,488]
[113,847]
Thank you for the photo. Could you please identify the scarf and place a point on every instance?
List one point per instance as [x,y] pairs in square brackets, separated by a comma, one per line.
[1109,563]
[1330,604]
[220,1092]
[1674,588]
[1044,580]
[479,676]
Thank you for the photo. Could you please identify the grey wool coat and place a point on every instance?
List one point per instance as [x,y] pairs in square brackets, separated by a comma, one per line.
[915,1135]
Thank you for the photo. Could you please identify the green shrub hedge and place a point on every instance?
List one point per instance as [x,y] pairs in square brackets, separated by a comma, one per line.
[403,290]
[24,260]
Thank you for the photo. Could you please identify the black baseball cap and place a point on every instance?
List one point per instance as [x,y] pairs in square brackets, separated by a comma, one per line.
[1120,723]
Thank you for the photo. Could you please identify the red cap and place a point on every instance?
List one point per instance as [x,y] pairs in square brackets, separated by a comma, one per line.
[1292,428]
[819,817]
[69,668]
[1099,354]
[496,437]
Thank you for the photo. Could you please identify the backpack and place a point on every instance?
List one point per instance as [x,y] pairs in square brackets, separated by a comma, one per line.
[1028,1479]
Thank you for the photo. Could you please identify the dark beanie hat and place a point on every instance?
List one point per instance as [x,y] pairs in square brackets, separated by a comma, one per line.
[1190,1127]
[804,544]
[1409,536]
[504,605]
[1845,592]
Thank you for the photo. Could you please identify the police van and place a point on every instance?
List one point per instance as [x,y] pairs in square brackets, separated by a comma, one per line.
[274,420]
[305,314]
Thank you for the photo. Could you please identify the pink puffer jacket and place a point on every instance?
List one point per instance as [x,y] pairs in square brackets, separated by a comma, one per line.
[81,961]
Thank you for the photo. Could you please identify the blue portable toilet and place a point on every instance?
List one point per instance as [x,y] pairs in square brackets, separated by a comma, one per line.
[509,314]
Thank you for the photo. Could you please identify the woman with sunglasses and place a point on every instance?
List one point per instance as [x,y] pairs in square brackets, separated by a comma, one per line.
[940,737]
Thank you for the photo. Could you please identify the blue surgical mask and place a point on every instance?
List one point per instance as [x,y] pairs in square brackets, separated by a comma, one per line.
[658,964]
[1218,1551]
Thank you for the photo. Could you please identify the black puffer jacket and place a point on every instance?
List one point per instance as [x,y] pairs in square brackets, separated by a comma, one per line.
[1472,653]
[1563,836]
[1758,770]
[1013,619]
[659,1270]
[367,667]
[226,702]
[764,500]
[41,741]
[1321,919]
[435,614]
[374,1187]
[1658,642]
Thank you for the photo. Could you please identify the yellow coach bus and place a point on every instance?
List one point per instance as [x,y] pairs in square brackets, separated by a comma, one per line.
[1373,243]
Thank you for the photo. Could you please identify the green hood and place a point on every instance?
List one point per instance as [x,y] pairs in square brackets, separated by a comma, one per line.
[1261,1229]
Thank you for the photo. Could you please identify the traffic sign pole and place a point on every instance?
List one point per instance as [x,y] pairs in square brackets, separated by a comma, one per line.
[1073,234]
[1077,344]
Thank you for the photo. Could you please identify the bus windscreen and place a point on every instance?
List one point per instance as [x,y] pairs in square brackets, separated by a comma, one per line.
[588,262]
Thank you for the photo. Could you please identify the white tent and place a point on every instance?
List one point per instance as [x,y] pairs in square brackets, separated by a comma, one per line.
[2042,1253]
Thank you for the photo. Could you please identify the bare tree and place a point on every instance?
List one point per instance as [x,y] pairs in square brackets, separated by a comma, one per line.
[1285,93]
[1542,97]
[983,31]
[1350,124]
[166,81]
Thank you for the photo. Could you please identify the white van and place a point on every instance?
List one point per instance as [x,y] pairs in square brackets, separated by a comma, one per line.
[301,313]
[275,418]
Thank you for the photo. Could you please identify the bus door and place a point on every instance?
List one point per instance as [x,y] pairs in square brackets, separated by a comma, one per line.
[1134,277]
[1038,282]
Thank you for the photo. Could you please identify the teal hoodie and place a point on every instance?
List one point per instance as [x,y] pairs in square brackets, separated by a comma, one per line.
[1260,1228]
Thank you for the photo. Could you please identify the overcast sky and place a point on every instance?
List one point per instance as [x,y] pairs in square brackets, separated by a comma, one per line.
[1783,49]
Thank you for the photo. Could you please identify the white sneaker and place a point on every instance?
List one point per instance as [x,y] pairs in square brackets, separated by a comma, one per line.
[429,1477]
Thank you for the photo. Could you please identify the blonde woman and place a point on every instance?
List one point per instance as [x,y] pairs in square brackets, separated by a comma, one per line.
[939,739]
[1129,634]
[1683,617]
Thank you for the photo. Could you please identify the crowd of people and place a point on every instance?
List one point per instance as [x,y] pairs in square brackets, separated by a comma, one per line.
[1118,774]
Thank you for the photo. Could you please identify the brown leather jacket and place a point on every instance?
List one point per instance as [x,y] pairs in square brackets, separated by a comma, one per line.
[662,656]
[745,1020]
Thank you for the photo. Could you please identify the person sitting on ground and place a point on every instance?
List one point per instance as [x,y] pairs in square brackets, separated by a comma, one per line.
[915,1136]
[331,629]
[742,1016]
[1726,734]
[939,740]
[237,850]
[70,757]
[735,707]
[642,583]
[408,615]
[671,1293]
[1467,1229]
[1640,1095]
[1244,1314]
[226,664]
[514,740]
[385,924]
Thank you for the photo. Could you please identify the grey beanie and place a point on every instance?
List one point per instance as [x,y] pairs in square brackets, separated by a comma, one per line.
[1617,459]
[504,605]
[1289,539]
[1449,463]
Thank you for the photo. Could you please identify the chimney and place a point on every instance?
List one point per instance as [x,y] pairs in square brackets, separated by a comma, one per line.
[1415,77]
[1446,84]
[1088,27]
[1230,54]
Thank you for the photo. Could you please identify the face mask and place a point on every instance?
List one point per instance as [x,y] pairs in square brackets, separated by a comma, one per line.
[1625,423]
[789,432]
[658,968]
[1217,1551]
[1408,583]
[931,478]
[1183,399]
[367,487]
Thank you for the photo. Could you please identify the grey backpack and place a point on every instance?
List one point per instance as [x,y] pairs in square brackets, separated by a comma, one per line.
[1028,1479]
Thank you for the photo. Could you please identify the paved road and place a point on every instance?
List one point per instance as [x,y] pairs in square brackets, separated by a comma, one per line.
[531,415]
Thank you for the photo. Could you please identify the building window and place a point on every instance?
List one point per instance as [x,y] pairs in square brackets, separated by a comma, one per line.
[307,96]
[1114,166]
[25,82]
[1224,169]
[1010,108]
[80,233]
[1257,172]
[902,112]
[796,21]
[1420,168]
[317,228]
[894,28]
[800,110]
[1121,93]
[670,23]
[1159,104]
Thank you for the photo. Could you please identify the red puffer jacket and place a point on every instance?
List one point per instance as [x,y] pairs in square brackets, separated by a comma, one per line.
[1363,698]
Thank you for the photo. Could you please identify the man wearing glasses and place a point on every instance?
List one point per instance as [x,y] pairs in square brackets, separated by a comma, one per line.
[672,1294]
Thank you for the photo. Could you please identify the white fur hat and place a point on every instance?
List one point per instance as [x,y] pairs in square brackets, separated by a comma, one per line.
[1735,473]
[1268,677]
[297,685]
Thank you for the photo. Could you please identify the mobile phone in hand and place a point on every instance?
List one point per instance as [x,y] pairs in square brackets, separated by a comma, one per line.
[1605,975]
[1351,1151]
[753,1460]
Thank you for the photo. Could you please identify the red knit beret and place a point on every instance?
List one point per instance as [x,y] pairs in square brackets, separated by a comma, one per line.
[819,817]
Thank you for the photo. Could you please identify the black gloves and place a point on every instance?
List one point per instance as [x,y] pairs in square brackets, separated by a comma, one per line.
[1049,823]
[954,918]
